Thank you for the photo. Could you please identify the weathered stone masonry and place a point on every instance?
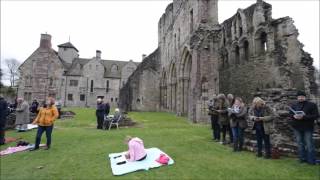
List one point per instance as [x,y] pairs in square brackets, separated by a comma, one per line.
[199,57]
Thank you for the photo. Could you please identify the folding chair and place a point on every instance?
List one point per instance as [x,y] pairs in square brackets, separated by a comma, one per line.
[115,122]
[106,119]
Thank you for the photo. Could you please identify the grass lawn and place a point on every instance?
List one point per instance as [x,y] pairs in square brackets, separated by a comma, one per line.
[79,151]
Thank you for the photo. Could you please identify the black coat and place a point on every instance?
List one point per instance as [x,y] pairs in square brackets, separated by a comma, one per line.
[311,114]
[3,111]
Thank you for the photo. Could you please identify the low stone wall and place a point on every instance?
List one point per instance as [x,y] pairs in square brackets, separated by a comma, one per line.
[11,118]
[127,121]
[282,136]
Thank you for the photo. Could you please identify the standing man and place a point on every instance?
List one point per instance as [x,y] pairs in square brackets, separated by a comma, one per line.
[34,106]
[22,115]
[100,113]
[303,114]
[107,108]
[3,118]
[58,106]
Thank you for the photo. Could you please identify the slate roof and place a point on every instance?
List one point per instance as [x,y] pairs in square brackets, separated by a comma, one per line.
[68,45]
[74,70]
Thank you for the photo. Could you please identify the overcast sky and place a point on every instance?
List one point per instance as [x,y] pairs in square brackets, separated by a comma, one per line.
[122,30]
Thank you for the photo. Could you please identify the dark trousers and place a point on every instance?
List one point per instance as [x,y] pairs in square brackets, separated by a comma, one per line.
[100,119]
[41,129]
[215,128]
[2,132]
[237,138]
[265,138]
[226,128]
[59,111]
[2,139]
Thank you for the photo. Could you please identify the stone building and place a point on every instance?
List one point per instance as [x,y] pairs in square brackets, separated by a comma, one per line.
[198,57]
[75,81]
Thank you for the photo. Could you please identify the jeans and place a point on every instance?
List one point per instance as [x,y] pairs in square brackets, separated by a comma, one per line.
[41,129]
[226,128]
[305,145]
[237,138]
[265,138]
[215,128]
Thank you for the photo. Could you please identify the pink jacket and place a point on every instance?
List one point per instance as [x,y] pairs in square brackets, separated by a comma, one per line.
[136,149]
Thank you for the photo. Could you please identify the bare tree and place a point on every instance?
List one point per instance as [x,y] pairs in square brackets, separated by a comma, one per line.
[13,66]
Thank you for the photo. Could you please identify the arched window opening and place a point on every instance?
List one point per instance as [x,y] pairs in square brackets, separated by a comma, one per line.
[237,55]
[263,43]
[246,50]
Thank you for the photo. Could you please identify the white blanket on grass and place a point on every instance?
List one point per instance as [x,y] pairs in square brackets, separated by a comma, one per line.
[146,164]
[32,126]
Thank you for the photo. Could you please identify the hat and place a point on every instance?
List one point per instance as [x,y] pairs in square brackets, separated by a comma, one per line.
[163,159]
[301,93]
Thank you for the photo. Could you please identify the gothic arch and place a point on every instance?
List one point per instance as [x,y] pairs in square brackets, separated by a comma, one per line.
[185,74]
[261,41]
[173,86]
[244,48]
[163,90]
[236,53]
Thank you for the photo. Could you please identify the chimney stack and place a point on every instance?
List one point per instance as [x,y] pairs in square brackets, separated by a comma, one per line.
[143,56]
[98,54]
[45,41]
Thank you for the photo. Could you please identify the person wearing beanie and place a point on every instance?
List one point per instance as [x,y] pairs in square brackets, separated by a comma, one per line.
[303,114]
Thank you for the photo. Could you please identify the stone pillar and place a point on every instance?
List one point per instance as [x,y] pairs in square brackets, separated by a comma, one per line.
[186,94]
[180,97]
[174,97]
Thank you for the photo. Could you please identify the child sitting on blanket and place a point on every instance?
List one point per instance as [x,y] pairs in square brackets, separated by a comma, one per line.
[136,150]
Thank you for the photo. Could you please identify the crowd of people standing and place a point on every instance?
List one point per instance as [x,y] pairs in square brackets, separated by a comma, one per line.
[229,114]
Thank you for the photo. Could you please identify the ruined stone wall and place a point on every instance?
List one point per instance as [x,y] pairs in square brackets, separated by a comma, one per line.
[199,58]
[258,52]
[141,92]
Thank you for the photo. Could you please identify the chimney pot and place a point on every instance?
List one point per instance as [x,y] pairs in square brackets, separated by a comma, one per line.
[143,56]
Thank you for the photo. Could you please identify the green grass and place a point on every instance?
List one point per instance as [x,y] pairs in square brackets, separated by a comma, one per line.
[79,151]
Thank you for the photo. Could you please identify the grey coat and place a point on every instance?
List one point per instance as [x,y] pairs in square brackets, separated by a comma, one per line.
[22,113]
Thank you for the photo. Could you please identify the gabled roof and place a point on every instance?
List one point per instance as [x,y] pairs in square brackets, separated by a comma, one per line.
[68,45]
[106,63]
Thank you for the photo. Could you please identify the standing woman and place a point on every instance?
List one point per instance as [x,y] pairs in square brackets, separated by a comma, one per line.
[231,101]
[45,119]
[223,116]
[22,115]
[262,115]
[238,123]
[214,117]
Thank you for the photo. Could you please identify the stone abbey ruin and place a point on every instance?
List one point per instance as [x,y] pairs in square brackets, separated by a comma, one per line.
[248,54]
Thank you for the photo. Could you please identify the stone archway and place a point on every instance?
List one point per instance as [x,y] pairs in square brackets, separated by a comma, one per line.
[184,81]
[163,90]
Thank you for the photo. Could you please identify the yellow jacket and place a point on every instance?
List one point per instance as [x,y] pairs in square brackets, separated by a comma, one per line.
[46,116]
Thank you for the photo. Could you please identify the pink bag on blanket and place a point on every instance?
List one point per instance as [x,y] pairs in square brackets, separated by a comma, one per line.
[163,159]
